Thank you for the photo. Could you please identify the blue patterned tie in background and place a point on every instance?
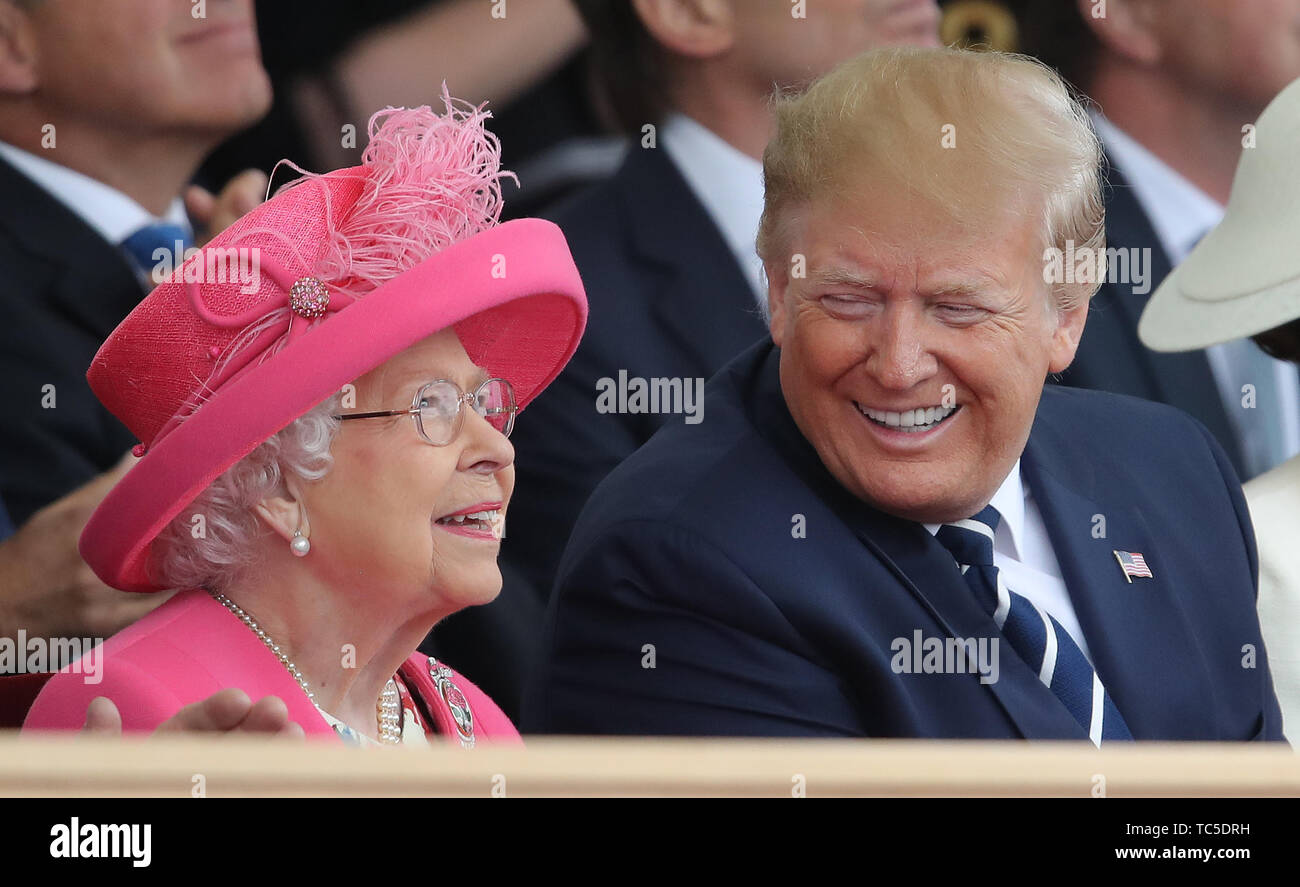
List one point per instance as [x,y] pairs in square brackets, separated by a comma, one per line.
[143,244]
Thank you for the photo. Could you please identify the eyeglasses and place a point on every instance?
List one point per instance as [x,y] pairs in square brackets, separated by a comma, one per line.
[437,409]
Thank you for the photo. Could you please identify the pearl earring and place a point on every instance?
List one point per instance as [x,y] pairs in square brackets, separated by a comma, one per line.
[300,544]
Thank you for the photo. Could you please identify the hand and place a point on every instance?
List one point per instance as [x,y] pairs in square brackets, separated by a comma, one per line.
[45,586]
[226,711]
[213,213]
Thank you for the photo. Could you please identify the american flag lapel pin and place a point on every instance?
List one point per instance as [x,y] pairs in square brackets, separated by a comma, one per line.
[1133,564]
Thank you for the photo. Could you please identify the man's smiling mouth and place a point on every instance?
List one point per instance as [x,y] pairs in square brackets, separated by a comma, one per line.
[914,421]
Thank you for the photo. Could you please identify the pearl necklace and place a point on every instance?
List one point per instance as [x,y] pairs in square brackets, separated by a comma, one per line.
[388,709]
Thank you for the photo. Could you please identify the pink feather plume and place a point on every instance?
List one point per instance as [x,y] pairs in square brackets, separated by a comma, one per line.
[430,180]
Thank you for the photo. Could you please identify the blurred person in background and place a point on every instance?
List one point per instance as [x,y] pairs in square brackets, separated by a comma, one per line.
[1242,282]
[335,62]
[340,435]
[1176,84]
[106,111]
[666,245]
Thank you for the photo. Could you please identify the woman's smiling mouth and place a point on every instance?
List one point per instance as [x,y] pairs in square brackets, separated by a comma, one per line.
[483,520]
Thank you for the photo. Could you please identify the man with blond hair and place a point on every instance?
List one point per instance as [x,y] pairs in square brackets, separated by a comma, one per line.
[889,525]
[666,245]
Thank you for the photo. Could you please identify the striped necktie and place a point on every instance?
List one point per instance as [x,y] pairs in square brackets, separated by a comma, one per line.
[1034,635]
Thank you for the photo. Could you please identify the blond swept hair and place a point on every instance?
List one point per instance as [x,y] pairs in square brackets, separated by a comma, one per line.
[953,127]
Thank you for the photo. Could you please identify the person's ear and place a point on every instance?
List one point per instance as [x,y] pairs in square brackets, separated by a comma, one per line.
[695,28]
[1125,27]
[1069,330]
[17,50]
[284,513]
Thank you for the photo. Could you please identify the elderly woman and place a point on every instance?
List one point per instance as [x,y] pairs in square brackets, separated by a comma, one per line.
[1242,280]
[325,467]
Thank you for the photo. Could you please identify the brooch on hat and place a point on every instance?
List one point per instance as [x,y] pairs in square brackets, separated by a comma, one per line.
[308,298]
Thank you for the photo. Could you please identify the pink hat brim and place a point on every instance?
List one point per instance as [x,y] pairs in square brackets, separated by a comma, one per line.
[519,310]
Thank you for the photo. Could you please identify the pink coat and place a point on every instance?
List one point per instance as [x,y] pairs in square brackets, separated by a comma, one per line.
[192,646]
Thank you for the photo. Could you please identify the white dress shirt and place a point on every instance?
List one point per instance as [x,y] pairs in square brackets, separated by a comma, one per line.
[1181,215]
[729,184]
[105,209]
[1023,554]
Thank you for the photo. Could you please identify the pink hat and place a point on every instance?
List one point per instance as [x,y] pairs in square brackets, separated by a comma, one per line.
[355,266]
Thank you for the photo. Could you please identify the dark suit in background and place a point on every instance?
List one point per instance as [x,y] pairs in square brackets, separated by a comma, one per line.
[1110,355]
[667,300]
[6,524]
[63,289]
[686,553]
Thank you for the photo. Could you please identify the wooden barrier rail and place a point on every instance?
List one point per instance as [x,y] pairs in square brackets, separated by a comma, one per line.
[237,766]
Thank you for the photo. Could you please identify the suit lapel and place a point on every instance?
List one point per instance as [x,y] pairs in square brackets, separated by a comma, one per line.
[920,564]
[705,304]
[1133,629]
[926,569]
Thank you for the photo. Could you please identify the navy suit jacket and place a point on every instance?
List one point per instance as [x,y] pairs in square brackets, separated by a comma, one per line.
[63,289]
[684,558]
[1111,357]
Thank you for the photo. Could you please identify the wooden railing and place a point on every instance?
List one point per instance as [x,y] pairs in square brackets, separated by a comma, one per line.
[232,766]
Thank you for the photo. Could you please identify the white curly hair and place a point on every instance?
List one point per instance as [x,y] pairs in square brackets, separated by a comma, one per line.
[212,552]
